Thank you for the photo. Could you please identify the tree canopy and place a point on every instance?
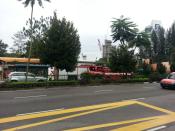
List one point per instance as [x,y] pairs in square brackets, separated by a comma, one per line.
[123,30]
[61,45]
[32,2]
[3,48]
[122,60]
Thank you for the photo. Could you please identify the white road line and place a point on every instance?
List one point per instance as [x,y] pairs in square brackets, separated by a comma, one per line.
[103,91]
[138,99]
[39,112]
[30,97]
[157,128]
[134,99]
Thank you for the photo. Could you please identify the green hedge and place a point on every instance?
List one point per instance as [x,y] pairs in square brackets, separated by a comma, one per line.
[38,84]
[29,85]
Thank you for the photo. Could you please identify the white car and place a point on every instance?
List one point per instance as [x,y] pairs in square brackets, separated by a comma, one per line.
[21,76]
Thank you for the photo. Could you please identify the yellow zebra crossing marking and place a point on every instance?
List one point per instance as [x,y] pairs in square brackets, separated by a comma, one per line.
[143,123]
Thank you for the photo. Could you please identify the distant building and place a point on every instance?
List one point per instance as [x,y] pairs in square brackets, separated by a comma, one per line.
[155,24]
[107,49]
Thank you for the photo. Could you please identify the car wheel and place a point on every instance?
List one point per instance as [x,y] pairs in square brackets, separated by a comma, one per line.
[163,87]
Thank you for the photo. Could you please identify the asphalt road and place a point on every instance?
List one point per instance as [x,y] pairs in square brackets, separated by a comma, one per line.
[125,107]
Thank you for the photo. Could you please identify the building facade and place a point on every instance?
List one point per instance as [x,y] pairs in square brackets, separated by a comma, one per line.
[107,49]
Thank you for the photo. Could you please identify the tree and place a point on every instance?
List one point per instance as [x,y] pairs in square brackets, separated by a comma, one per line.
[122,60]
[61,45]
[146,69]
[170,39]
[155,42]
[19,47]
[3,48]
[142,42]
[161,68]
[32,3]
[40,27]
[161,51]
[172,67]
[123,30]
[159,45]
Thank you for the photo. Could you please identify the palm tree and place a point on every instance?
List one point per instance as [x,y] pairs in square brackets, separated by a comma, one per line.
[123,30]
[142,42]
[32,3]
[141,39]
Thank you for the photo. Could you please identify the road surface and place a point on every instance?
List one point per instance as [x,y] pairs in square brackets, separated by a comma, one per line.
[125,107]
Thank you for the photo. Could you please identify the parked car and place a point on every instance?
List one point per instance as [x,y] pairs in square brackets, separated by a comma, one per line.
[21,76]
[169,82]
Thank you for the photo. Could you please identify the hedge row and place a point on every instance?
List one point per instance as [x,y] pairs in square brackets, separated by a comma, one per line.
[38,84]
[27,85]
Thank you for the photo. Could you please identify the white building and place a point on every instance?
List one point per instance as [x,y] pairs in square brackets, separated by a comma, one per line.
[63,75]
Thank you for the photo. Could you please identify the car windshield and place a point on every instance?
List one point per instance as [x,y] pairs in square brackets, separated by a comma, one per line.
[171,76]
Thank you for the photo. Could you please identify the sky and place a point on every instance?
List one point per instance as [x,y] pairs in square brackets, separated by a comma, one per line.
[92,18]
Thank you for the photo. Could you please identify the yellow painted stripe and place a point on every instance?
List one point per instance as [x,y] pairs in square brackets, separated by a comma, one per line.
[149,124]
[68,117]
[111,124]
[155,107]
[52,113]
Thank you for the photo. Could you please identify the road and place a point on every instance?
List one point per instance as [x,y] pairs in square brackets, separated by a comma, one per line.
[125,107]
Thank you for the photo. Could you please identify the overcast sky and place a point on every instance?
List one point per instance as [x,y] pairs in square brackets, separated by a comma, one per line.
[91,17]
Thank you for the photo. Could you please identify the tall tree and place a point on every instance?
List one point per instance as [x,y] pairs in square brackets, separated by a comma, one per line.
[32,3]
[3,48]
[161,51]
[40,27]
[142,42]
[123,30]
[170,39]
[61,45]
[155,43]
[122,60]
[19,47]
[159,45]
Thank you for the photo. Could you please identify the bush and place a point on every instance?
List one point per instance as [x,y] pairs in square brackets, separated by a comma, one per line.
[29,85]
[172,67]
[155,76]
[146,69]
[161,68]
[38,84]
[139,76]
[87,77]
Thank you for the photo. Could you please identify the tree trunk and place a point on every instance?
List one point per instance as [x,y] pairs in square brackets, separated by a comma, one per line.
[30,46]
[56,73]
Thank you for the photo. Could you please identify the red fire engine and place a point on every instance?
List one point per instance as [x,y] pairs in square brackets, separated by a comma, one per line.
[105,71]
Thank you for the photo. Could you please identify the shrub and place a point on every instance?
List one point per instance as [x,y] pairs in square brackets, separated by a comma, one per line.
[146,69]
[161,68]
[87,76]
[155,76]
[38,84]
[172,67]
